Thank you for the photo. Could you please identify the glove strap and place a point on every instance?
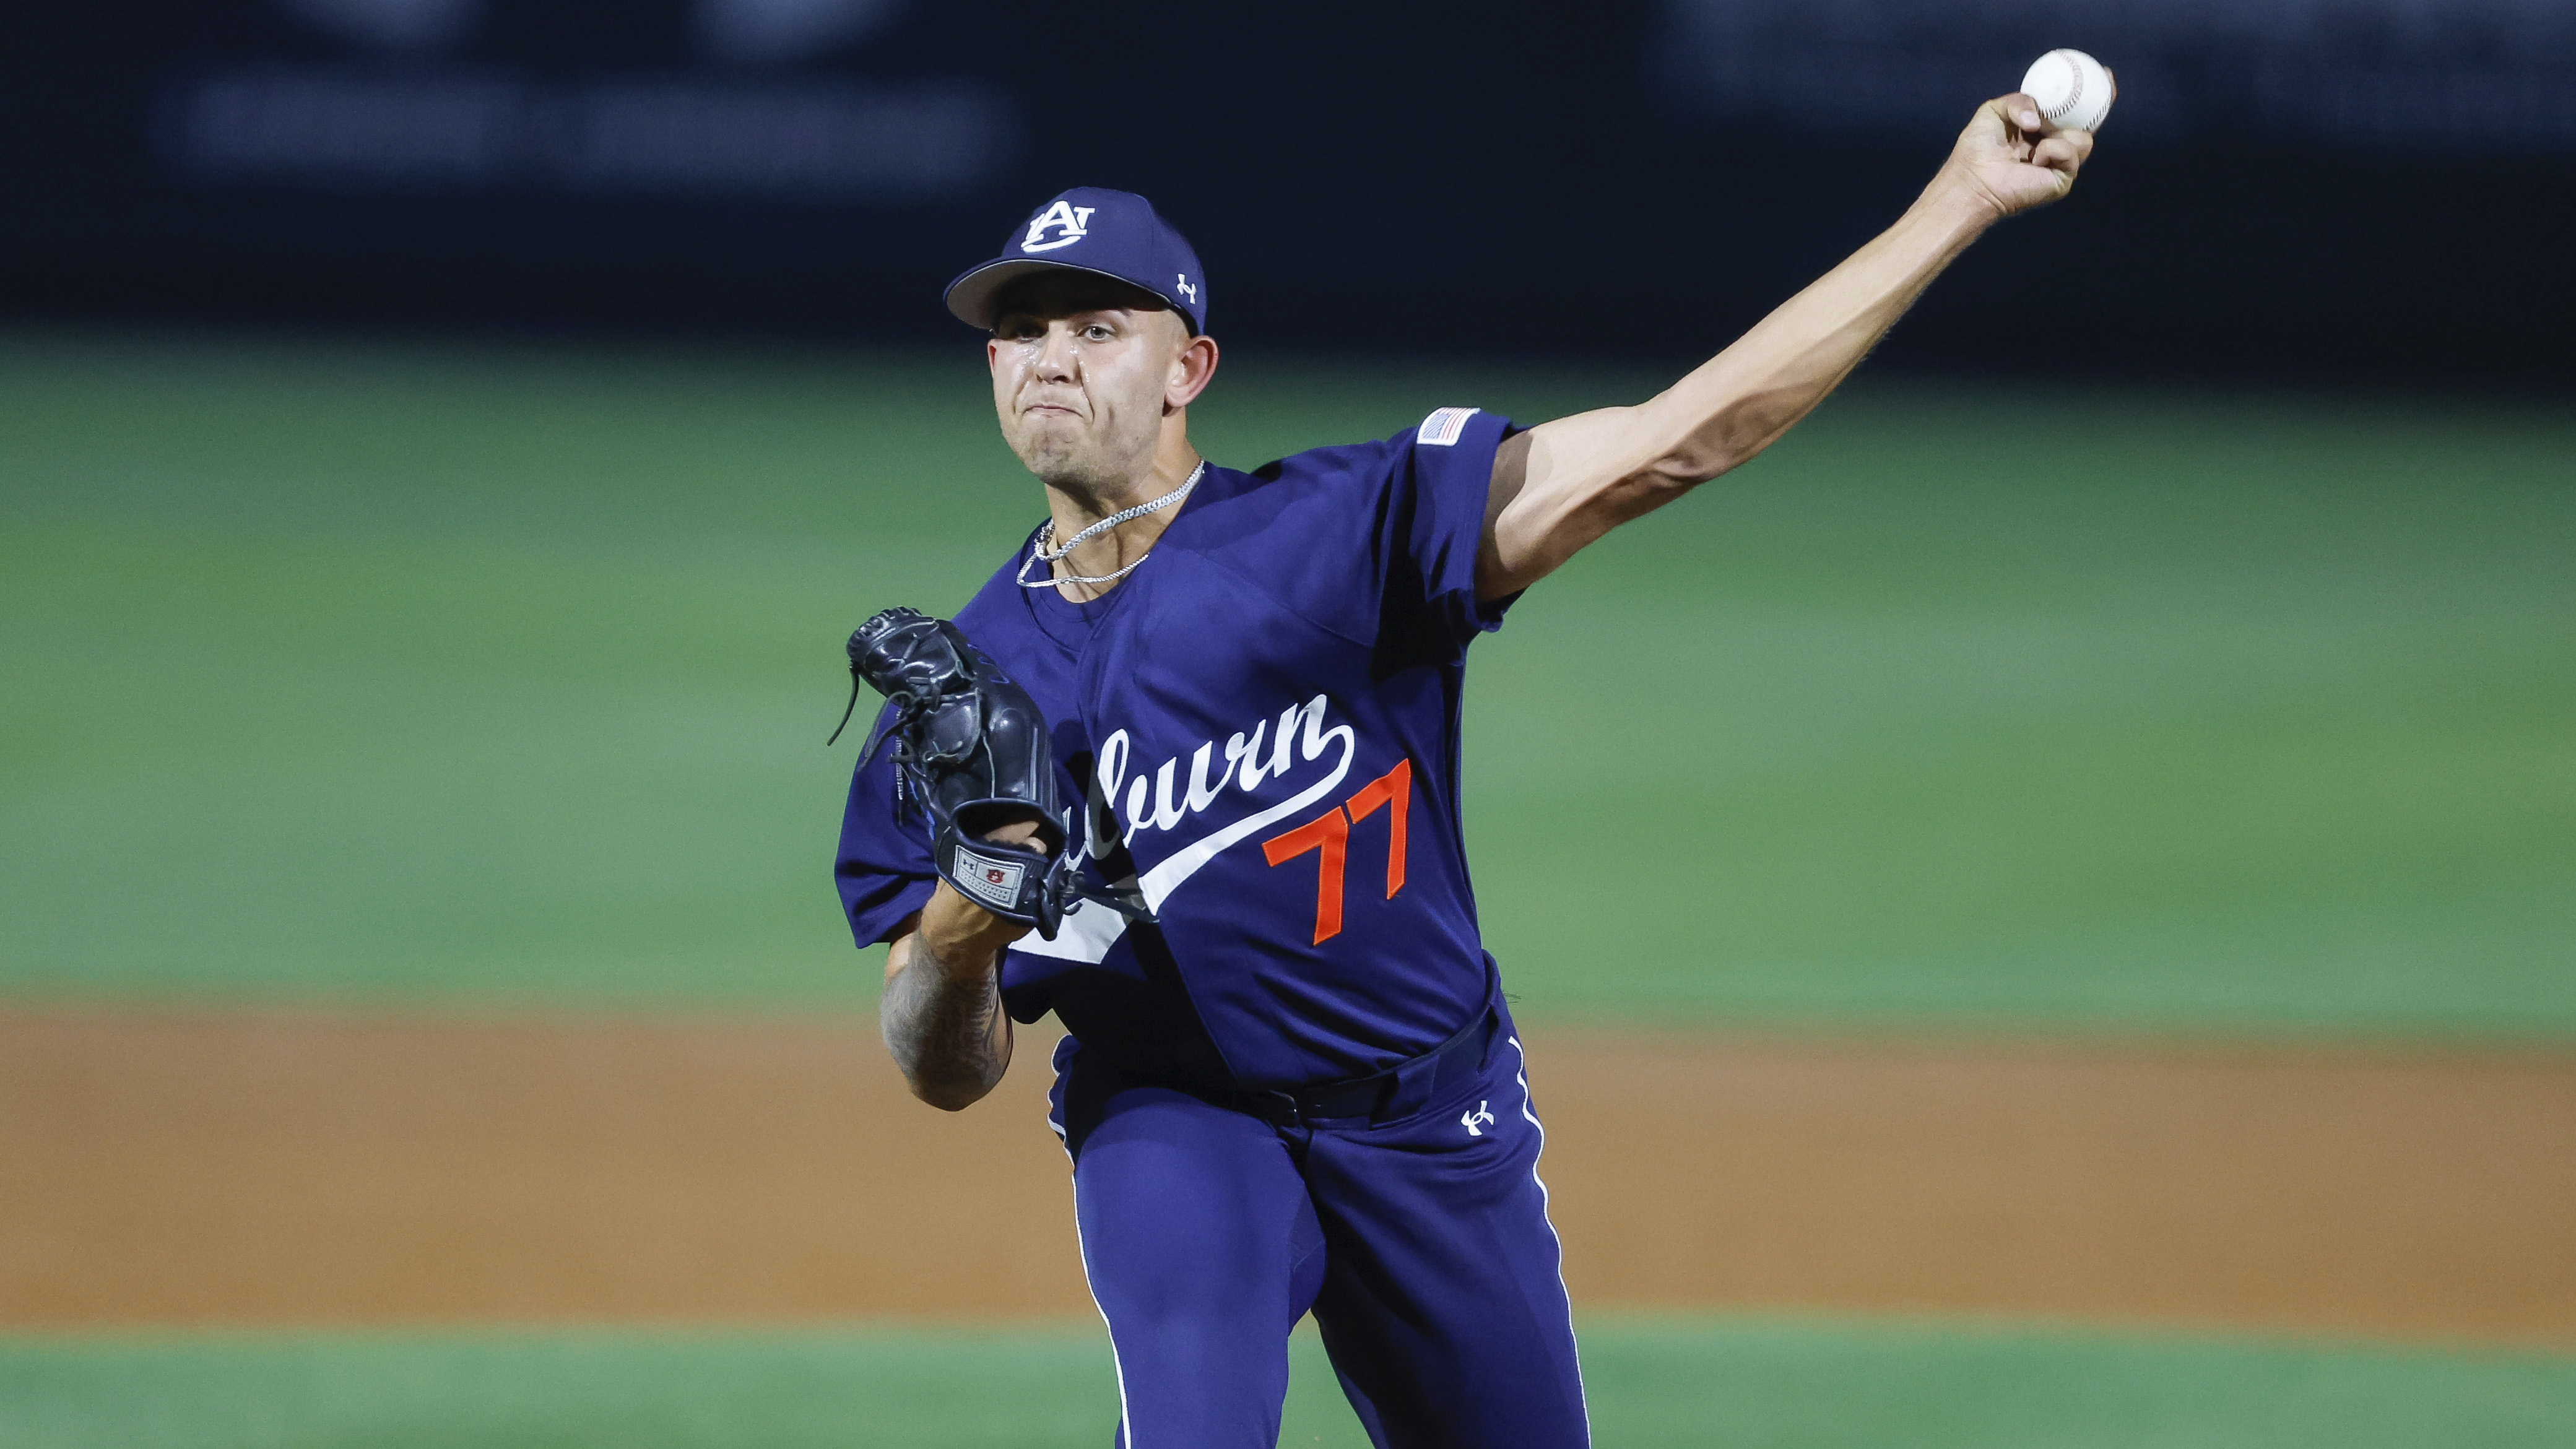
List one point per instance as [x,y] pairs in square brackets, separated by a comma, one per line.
[1011,881]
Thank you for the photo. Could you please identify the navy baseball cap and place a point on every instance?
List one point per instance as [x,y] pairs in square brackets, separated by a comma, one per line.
[1090,229]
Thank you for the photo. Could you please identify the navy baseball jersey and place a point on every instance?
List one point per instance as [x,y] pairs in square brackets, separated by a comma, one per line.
[1263,721]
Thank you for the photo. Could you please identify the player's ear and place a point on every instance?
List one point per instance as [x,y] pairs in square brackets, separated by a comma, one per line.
[1192,365]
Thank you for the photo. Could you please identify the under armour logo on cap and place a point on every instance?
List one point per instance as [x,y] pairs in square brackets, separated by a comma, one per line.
[1091,229]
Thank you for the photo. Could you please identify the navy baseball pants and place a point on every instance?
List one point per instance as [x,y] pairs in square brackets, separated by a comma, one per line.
[1421,1244]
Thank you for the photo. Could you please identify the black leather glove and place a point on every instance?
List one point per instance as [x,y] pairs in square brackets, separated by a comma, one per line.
[972,749]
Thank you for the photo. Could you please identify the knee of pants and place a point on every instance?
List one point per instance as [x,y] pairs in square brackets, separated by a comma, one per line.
[1193,1220]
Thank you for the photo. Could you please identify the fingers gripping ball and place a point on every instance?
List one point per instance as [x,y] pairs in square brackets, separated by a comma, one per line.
[2072,88]
[973,752]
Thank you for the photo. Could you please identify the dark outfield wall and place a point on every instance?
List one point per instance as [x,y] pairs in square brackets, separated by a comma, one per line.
[2373,186]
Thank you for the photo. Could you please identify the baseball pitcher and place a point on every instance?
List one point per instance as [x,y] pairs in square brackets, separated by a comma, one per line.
[1185,772]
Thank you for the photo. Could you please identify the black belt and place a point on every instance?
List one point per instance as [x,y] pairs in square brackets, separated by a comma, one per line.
[1399,1091]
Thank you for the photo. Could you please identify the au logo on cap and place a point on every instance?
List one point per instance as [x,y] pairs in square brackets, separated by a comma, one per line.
[1062,217]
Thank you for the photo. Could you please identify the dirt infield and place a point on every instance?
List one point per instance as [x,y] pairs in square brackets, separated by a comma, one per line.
[298,1168]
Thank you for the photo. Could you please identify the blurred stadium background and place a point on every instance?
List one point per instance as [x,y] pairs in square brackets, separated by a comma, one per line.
[2112,774]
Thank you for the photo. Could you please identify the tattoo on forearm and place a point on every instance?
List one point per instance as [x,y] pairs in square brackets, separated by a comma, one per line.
[948,1035]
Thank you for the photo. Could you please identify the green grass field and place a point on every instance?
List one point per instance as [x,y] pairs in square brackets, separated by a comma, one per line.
[402,673]
[1676,1384]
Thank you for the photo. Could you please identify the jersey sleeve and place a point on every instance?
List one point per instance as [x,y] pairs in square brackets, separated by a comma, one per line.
[883,867]
[1434,523]
[1376,542]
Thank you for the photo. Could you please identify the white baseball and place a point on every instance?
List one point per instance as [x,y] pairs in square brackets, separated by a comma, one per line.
[2072,88]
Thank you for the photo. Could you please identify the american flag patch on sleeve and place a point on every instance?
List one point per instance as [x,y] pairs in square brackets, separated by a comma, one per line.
[1443,428]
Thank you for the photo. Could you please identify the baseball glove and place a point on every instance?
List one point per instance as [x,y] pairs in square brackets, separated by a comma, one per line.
[971,749]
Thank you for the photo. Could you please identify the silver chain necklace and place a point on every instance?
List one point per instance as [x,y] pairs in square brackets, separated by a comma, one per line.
[1040,554]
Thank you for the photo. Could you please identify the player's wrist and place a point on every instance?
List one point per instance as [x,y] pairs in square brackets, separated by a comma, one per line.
[1956,208]
[966,938]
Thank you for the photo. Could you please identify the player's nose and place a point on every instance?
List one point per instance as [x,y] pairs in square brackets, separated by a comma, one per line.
[1056,357]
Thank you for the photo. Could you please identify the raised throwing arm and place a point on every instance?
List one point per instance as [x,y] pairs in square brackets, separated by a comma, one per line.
[1565,483]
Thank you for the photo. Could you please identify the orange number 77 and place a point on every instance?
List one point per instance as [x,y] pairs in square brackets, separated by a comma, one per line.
[1329,835]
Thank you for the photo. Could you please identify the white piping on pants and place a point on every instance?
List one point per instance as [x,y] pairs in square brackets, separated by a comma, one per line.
[1520,1073]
